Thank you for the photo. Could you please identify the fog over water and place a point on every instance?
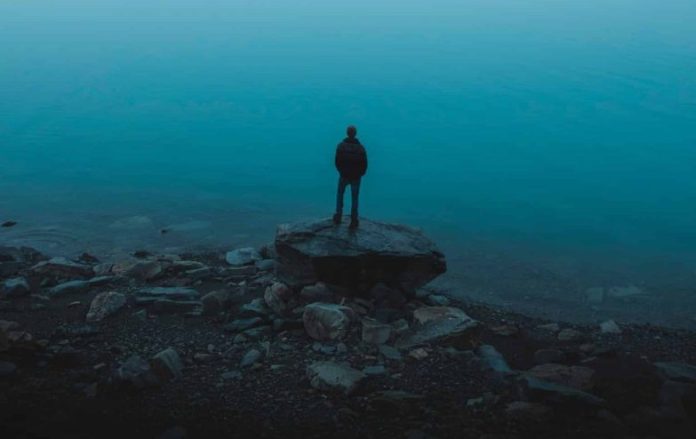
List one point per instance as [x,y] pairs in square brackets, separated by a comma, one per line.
[547,146]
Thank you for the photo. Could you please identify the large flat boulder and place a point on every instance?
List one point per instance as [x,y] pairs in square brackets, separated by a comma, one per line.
[393,254]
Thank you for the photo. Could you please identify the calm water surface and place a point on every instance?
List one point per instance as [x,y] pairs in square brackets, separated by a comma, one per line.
[556,136]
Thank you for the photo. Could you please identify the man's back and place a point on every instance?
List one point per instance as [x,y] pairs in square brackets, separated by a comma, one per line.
[351,159]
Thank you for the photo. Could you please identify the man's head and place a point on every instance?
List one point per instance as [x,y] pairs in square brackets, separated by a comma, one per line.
[351,131]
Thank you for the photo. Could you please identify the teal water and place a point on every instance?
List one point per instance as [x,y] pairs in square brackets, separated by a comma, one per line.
[558,133]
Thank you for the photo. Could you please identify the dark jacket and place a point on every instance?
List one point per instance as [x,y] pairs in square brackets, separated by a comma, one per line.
[351,159]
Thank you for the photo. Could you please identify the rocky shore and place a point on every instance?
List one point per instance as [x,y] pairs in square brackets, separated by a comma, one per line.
[323,332]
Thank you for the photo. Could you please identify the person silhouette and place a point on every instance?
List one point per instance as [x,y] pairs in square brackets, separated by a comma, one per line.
[351,163]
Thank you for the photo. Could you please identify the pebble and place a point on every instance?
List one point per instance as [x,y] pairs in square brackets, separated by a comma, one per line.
[251,357]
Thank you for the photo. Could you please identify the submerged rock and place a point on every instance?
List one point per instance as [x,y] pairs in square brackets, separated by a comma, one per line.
[396,255]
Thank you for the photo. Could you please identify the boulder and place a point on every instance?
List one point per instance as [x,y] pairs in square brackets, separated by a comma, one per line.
[326,321]
[330,376]
[440,324]
[243,256]
[15,287]
[104,305]
[396,255]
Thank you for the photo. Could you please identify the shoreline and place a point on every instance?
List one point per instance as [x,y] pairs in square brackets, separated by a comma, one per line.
[66,370]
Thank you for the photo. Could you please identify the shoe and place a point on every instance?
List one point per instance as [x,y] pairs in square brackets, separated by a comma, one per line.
[337,218]
[354,223]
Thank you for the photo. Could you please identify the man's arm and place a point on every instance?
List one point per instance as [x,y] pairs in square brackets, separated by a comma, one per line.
[364,162]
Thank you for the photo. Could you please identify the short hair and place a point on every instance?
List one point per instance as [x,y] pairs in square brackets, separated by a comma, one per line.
[351,131]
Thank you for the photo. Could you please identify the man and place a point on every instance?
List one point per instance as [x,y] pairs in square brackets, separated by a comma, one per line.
[351,162]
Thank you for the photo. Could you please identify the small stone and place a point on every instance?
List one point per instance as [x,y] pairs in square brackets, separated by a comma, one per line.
[167,364]
[276,297]
[214,302]
[493,359]
[374,332]
[15,287]
[255,308]
[136,372]
[251,357]
[418,353]
[577,377]
[324,349]
[63,268]
[265,265]
[550,327]
[390,353]
[569,334]
[231,375]
[528,411]
[505,330]
[400,326]
[375,370]
[318,292]
[145,270]
[326,321]
[438,300]
[682,372]
[140,315]
[609,327]
[150,295]
[330,376]
[548,356]
[243,256]
[240,325]
[442,324]
[7,369]
[104,305]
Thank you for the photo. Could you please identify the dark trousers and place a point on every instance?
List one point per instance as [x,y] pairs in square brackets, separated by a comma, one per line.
[354,192]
